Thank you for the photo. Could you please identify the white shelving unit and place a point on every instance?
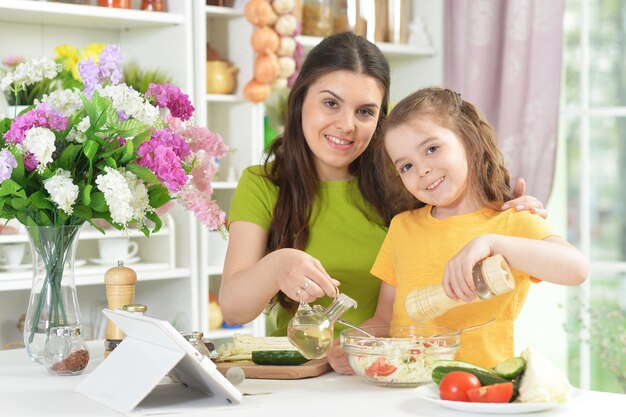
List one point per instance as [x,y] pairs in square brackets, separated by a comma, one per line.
[241,123]
[167,270]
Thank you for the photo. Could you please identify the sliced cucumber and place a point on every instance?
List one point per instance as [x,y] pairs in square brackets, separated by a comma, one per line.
[484,375]
[278,357]
[510,368]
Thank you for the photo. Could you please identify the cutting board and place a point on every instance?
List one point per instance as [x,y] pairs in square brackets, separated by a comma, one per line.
[312,368]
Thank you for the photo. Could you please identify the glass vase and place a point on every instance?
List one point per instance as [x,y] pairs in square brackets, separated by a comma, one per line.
[53,300]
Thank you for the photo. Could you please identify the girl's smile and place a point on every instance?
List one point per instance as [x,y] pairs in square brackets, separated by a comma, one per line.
[432,164]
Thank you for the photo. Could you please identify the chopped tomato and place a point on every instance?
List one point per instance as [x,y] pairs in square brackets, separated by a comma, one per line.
[455,385]
[380,368]
[496,393]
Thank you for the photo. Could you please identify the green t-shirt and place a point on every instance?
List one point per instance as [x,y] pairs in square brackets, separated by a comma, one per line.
[341,237]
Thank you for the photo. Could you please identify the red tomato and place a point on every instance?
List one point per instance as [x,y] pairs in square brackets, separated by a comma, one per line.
[380,368]
[454,386]
[496,393]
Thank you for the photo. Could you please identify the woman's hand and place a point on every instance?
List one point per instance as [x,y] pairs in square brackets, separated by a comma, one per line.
[458,282]
[525,202]
[300,276]
[338,360]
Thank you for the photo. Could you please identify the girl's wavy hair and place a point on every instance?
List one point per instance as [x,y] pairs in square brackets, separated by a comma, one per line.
[289,162]
[488,179]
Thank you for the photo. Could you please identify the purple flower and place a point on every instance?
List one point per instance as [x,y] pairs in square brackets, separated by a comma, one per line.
[7,164]
[108,69]
[30,162]
[40,116]
[164,162]
[110,65]
[89,73]
[169,96]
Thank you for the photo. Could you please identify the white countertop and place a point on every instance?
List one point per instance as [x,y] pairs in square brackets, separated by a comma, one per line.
[28,390]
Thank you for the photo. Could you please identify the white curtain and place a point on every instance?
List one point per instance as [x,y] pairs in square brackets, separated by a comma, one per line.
[504,56]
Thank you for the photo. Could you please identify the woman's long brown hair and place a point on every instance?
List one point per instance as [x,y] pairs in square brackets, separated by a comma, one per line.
[488,178]
[289,161]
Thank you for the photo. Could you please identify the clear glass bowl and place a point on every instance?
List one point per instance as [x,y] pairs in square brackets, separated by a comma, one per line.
[399,356]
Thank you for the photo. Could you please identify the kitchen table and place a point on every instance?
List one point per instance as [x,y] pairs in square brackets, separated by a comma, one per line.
[28,390]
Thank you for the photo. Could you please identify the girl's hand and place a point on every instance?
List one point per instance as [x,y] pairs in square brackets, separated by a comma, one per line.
[525,202]
[338,360]
[458,282]
[302,277]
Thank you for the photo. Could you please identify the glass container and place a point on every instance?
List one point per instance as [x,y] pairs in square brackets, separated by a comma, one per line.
[196,339]
[65,353]
[317,18]
[311,330]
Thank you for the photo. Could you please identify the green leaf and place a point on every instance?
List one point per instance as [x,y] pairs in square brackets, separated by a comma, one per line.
[129,151]
[141,138]
[18,172]
[90,148]
[43,219]
[111,162]
[86,196]
[156,220]
[143,174]
[20,203]
[67,160]
[130,128]
[83,212]
[40,201]
[158,195]
[10,187]
[98,203]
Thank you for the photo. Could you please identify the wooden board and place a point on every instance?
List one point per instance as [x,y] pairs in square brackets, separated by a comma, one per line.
[312,368]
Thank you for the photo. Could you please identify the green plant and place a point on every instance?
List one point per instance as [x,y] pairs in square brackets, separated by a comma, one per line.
[141,79]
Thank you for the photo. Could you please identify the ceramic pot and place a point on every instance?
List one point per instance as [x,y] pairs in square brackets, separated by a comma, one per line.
[221,77]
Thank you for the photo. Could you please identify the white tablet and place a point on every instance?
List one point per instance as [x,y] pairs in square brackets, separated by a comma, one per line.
[152,349]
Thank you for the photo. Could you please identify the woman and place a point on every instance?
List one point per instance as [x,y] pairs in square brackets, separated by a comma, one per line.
[314,215]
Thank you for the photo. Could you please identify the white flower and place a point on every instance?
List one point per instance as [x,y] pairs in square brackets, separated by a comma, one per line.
[62,190]
[30,72]
[40,142]
[125,99]
[117,195]
[66,102]
[140,202]
[77,134]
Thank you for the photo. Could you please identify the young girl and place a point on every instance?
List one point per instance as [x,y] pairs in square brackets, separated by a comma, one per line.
[446,155]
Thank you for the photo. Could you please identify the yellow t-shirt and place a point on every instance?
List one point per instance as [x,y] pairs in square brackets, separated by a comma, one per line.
[414,255]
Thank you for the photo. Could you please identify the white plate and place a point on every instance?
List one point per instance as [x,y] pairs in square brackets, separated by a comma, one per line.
[108,262]
[430,393]
[24,267]
[16,268]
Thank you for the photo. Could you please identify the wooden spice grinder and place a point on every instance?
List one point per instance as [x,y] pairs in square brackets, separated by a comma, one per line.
[120,290]
[492,276]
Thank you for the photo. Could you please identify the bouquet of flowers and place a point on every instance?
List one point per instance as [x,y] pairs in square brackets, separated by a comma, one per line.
[106,152]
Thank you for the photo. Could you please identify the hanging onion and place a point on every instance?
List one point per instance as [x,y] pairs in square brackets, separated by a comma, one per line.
[256,92]
[265,40]
[260,13]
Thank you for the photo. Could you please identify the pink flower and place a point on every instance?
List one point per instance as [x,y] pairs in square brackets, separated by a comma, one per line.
[164,162]
[202,139]
[169,96]
[205,209]
[40,116]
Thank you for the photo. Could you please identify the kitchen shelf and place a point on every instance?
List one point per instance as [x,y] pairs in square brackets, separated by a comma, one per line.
[224,98]
[224,185]
[222,12]
[83,16]
[223,333]
[94,275]
[391,50]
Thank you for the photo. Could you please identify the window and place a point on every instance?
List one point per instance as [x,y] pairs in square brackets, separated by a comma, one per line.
[593,131]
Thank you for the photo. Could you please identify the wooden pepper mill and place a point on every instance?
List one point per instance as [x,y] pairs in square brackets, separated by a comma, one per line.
[492,276]
[120,290]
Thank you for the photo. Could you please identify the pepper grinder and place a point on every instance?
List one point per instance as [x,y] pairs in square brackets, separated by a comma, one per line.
[120,290]
[492,276]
